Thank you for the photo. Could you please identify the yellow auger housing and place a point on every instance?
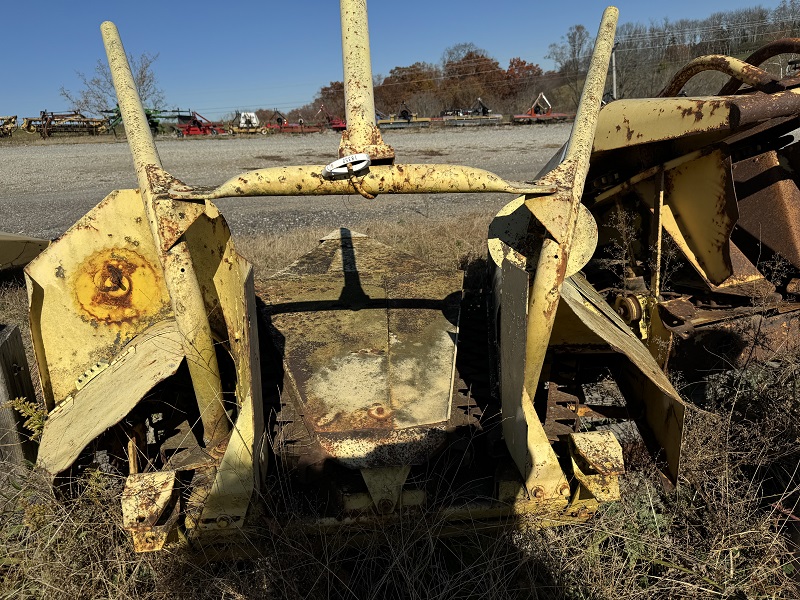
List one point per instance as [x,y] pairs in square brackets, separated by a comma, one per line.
[386,391]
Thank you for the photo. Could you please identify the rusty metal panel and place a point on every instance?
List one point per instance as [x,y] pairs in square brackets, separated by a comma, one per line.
[150,509]
[525,437]
[769,204]
[597,463]
[92,291]
[699,208]
[700,203]
[19,250]
[368,337]
[242,466]
[104,401]
[646,382]
[745,280]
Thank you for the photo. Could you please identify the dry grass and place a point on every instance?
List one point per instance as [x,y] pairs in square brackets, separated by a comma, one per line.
[722,534]
[447,244]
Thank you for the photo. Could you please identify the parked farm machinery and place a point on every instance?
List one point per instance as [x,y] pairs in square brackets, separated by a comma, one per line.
[541,111]
[404,118]
[48,124]
[478,114]
[179,122]
[331,122]
[190,123]
[8,125]
[153,115]
[339,399]
[245,122]
[278,123]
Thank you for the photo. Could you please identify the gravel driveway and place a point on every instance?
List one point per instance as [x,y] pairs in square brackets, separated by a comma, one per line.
[46,187]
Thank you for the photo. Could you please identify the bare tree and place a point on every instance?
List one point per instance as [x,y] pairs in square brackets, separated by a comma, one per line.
[98,92]
[458,52]
[572,57]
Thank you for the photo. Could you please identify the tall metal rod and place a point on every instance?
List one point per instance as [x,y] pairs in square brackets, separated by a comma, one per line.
[614,72]
[362,134]
[570,176]
[140,140]
[658,228]
[179,275]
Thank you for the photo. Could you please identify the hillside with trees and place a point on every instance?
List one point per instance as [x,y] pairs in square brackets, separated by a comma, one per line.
[646,58]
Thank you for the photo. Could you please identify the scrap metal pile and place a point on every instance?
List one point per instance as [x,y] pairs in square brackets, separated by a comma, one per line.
[339,397]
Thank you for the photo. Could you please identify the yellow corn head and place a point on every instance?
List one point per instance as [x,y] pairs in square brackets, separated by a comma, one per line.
[339,398]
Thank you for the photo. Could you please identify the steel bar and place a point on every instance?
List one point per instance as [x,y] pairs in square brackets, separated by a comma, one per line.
[381,179]
[738,69]
[179,275]
[362,134]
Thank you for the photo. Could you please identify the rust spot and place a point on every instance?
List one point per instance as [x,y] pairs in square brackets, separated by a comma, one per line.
[379,412]
[117,285]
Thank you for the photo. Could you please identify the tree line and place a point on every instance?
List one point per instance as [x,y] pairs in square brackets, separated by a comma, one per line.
[647,56]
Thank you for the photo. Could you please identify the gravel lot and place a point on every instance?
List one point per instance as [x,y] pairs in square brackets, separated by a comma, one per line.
[47,186]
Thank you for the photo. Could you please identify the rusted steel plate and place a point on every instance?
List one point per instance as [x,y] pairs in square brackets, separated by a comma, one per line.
[705,227]
[597,463]
[93,290]
[745,280]
[645,382]
[369,347]
[701,230]
[769,204]
[19,250]
[150,509]
[149,359]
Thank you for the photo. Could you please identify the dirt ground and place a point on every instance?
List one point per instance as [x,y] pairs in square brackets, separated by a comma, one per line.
[47,186]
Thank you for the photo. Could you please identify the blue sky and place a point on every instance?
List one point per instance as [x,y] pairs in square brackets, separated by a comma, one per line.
[216,57]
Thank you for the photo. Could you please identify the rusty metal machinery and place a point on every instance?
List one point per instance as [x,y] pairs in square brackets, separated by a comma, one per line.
[404,118]
[368,386]
[477,115]
[363,346]
[708,188]
[49,123]
[18,250]
[8,125]
[541,111]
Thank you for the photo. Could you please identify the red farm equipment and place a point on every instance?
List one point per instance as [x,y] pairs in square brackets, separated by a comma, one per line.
[192,123]
[331,122]
[541,111]
[278,123]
